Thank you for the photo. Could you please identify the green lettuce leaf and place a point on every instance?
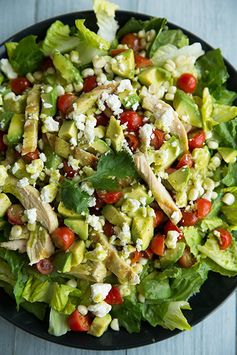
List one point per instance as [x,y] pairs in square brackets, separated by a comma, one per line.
[129,315]
[224,113]
[90,44]
[193,239]
[58,38]
[61,298]
[224,96]
[5,273]
[27,56]
[217,268]
[175,37]
[155,287]
[66,69]
[207,110]
[229,212]
[105,15]
[10,47]
[73,197]
[57,323]
[230,178]
[226,134]
[37,290]
[210,223]
[155,44]
[36,308]
[134,25]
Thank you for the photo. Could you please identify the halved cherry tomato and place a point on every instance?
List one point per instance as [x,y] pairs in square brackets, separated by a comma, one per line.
[169,226]
[158,244]
[68,170]
[89,83]
[203,207]
[102,119]
[225,239]
[136,256]
[20,84]
[142,62]
[187,260]
[133,120]
[109,197]
[170,170]
[114,296]
[108,229]
[188,218]
[29,157]
[117,51]
[79,323]
[132,41]
[46,64]
[187,82]
[63,237]
[65,102]
[3,146]
[158,138]
[159,218]
[15,214]
[148,253]
[133,141]
[197,140]
[44,266]
[185,160]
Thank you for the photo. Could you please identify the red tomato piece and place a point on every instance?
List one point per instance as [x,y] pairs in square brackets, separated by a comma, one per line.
[203,207]
[142,62]
[159,218]
[68,170]
[148,253]
[15,214]
[133,141]
[79,323]
[3,146]
[63,237]
[187,82]
[136,256]
[197,140]
[188,218]
[114,296]
[46,64]
[102,120]
[29,157]
[44,266]
[132,41]
[108,229]
[109,197]
[225,239]
[89,83]
[185,160]
[158,138]
[20,84]
[158,244]
[65,102]
[170,170]
[187,260]
[117,51]
[169,226]
[133,120]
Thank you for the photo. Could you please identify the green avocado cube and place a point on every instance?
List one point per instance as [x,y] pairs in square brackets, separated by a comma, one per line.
[16,129]
[63,261]
[143,228]
[155,77]
[228,154]
[186,107]
[79,226]
[100,325]
[68,130]
[123,64]
[115,134]
[179,179]
[114,216]
[77,250]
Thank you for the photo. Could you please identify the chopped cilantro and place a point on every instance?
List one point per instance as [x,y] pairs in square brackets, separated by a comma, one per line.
[73,197]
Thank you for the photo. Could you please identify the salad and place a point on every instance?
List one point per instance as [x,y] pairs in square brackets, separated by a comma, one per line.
[118,174]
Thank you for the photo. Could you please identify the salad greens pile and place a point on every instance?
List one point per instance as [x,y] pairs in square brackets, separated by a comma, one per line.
[118,174]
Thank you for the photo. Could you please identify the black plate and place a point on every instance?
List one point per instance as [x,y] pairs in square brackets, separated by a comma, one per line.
[215,290]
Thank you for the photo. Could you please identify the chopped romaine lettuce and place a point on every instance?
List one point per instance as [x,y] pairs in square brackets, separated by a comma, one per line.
[134,25]
[175,37]
[57,323]
[105,15]
[193,239]
[66,69]
[226,134]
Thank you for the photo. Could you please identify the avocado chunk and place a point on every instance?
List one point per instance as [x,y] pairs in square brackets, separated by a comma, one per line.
[114,216]
[13,105]
[143,228]
[77,249]
[167,154]
[228,154]
[179,179]
[155,77]
[100,325]
[115,134]
[5,119]
[138,192]
[123,64]
[171,256]
[99,146]
[63,261]
[49,101]
[62,148]
[79,226]
[129,100]
[16,129]
[99,131]
[5,203]
[66,212]
[186,106]
[68,130]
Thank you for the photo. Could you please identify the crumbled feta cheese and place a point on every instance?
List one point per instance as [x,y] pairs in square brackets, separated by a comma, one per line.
[92,202]
[31,215]
[228,198]
[124,85]
[47,105]
[87,72]
[12,96]
[100,309]
[89,129]
[96,222]
[48,89]
[18,148]
[124,234]
[42,157]
[48,193]
[36,166]
[51,125]
[15,168]
[175,216]
[171,239]
[73,142]
[99,291]
[112,101]
[73,163]
[217,234]
[145,133]
[79,120]
[85,186]
[7,69]
[23,182]
[114,325]
[60,90]
[167,119]
[82,310]
[139,243]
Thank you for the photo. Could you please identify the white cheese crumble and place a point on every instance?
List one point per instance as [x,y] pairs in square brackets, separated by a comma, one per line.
[89,129]
[171,239]
[7,69]
[51,125]
[79,120]
[124,85]
[73,163]
[42,157]
[99,291]
[175,216]
[23,182]
[112,102]
[31,215]
[73,142]
[18,147]
[145,133]
[96,222]
[60,90]
[100,309]
[47,105]
[87,188]
[15,168]
[139,244]
[124,234]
